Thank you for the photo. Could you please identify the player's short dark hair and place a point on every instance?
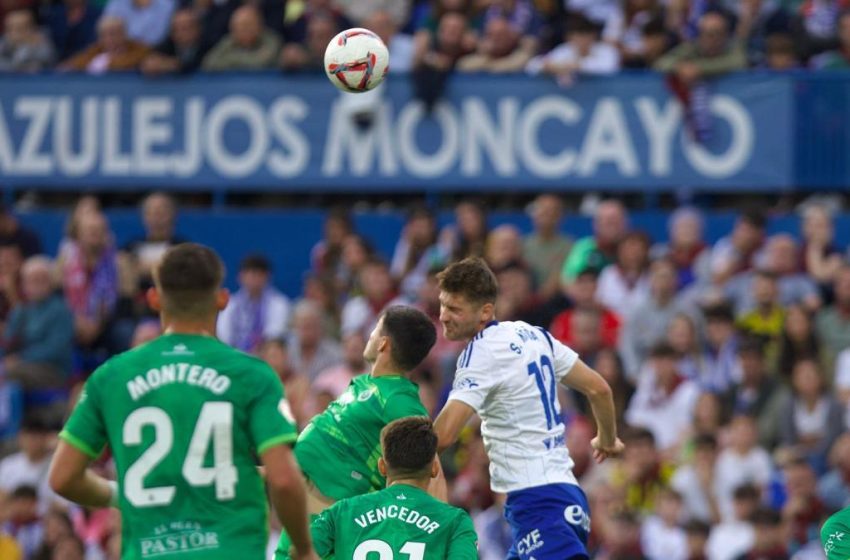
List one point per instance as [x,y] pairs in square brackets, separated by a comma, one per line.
[188,277]
[470,278]
[409,446]
[256,262]
[411,334]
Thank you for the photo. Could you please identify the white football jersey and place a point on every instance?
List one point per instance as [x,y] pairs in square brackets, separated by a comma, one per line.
[509,373]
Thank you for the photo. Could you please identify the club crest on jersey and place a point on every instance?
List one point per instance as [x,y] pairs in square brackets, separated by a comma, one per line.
[465,383]
[366,395]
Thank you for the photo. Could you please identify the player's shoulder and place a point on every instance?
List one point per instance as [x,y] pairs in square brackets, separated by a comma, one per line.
[500,341]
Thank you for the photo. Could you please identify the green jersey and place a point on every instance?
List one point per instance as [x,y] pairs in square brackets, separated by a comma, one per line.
[185,417]
[401,522]
[339,450]
[835,536]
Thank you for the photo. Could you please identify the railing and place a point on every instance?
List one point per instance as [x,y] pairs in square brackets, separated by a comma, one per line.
[280,132]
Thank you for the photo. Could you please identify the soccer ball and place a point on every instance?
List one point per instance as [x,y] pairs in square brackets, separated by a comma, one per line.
[356,60]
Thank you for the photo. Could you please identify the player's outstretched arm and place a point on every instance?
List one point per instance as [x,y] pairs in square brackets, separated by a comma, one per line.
[592,385]
[450,422]
[70,478]
[286,488]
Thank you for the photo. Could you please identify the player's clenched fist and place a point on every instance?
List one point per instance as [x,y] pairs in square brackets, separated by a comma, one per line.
[602,452]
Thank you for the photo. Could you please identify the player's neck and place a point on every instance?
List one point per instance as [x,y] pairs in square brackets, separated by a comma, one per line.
[481,326]
[203,327]
[383,368]
[422,484]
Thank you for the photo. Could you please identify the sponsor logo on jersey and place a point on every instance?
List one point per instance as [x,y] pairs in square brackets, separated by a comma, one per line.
[366,395]
[575,515]
[832,541]
[179,350]
[529,543]
[176,538]
[466,383]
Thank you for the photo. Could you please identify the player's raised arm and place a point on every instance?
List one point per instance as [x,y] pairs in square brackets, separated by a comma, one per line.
[450,422]
[287,492]
[592,385]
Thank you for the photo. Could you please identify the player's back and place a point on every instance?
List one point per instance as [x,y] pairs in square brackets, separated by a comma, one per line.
[186,417]
[509,374]
[400,521]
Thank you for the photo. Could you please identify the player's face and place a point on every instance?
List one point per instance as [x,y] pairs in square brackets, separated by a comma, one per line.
[460,318]
[370,353]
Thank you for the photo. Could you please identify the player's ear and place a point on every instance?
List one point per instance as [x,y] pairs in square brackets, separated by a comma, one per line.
[152,297]
[222,297]
[382,467]
[435,467]
[487,311]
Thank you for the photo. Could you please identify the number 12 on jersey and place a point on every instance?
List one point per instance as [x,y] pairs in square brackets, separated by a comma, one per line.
[549,396]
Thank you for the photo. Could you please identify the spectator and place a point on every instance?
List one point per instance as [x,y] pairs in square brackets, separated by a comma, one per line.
[22,520]
[181,52]
[469,236]
[604,14]
[819,21]
[686,248]
[756,393]
[767,315]
[29,466]
[357,252]
[326,255]
[782,258]
[145,331]
[735,535]
[295,30]
[756,21]
[400,45]
[13,233]
[637,17]
[582,294]
[11,261]
[72,25]
[834,486]
[833,322]
[599,250]
[821,258]
[248,46]
[661,536]
[333,381]
[545,248]
[516,300]
[311,351]
[321,29]
[641,473]
[780,53]
[798,341]
[802,510]
[838,59]
[502,48]
[713,53]
[683,335]
[37,343]
[811,419]
[696,481]
[647,322]
[609,365]
[503,248]
[622,540]
[585,329]
[721,347]
[664,401]
[57,526]
[358,10]
[69,548]
[768,537]
[709,418]
[89,271]
[147,21]
[521,14]
[697,533]
[296,386]
[742,463]
[580,53]
[258,311]
[436,53]
[322,291]
[624,283]
[113,51]
[379,292]
[738,252]
[416,252]
[23,48]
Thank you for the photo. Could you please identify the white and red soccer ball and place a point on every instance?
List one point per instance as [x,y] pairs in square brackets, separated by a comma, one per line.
[356,60]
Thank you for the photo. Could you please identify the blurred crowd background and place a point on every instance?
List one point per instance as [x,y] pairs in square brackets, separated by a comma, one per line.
[730,362]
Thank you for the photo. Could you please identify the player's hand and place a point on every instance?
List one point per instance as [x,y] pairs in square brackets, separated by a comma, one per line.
[602,452]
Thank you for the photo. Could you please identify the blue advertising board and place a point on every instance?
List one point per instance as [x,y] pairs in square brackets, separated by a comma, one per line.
[278,132]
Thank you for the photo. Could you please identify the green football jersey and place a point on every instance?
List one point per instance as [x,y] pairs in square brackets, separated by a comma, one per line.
[186,417]
[401,522]
[835,536]
[339,450]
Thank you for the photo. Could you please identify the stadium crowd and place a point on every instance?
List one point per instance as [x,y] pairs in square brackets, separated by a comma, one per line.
[730,363]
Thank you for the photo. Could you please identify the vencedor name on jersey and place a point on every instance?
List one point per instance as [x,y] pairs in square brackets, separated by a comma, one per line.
[168,374]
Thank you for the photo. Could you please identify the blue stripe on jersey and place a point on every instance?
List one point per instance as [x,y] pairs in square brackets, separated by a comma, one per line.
[462,357]
[548,338]
[469,354]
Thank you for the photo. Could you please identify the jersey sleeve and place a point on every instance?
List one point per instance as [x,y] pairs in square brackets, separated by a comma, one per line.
[835,537]
[474,378]
[270,417]
[86,429]
[402,405]
[464,541]
[323,531]
[565,357]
